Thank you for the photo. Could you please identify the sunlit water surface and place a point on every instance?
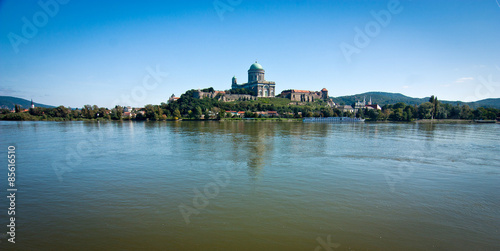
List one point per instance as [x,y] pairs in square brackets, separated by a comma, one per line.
[253,186]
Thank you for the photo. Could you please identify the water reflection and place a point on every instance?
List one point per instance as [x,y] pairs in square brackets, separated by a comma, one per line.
[297,182]
[259,147]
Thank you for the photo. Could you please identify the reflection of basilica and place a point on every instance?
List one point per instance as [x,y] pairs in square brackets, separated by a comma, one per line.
[259,146]
[254,141]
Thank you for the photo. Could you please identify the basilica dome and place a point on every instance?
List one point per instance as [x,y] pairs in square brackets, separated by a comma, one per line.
[256,66]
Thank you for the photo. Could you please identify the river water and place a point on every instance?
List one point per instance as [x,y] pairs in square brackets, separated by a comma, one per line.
[252,186]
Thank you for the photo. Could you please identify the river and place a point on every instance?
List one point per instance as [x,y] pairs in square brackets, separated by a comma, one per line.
[252,186]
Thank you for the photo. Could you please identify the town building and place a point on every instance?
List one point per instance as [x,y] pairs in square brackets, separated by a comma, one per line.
[346,108]
[304,96]
[360,105]
[200,94]
[172,98]
[370,106]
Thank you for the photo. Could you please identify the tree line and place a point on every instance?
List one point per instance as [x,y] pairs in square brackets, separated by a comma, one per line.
[187,107]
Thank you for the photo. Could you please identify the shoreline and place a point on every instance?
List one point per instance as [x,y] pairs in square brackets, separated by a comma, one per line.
[420,121]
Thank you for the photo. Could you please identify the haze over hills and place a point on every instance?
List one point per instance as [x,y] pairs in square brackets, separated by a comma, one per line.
[380,98]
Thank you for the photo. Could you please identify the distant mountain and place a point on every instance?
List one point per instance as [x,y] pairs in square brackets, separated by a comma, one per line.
[490,102]
[380,98]
[9,103]
[387,98]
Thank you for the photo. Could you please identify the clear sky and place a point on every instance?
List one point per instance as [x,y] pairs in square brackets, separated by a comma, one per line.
[74,53]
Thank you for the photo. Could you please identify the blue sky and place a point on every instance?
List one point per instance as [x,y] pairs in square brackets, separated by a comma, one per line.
[89,52]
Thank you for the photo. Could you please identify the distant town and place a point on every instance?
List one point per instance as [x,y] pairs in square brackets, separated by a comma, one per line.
[257,99]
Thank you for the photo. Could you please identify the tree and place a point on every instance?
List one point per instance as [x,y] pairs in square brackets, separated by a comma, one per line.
[117,112]
[95,110]
[425,110]
[61,112]
[465,112]
[158,112]
[435,106]
[360,113]
[397,115]
[149,112]
[409,111]
[197,112]
[139,116]
[431,99]
[74,113]
[372,114]
[399,105]
[327,112]
[177,114]
[103,112]
[249,114]
[88,112]
[210,89]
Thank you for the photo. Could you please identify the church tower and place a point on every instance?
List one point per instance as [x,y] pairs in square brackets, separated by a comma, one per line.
[234,83]
[324,93]
[32,104]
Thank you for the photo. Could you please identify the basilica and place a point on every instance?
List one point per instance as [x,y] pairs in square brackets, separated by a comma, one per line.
[256,82]
[259,87]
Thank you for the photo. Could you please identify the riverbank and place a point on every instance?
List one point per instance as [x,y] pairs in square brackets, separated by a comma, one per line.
[444,121]
[28,117]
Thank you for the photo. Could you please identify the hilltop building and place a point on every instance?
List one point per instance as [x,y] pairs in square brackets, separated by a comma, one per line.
[172,98]
[258,87]
[304,96]
[256,82]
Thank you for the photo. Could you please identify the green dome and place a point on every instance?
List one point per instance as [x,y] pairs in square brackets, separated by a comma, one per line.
[256,66]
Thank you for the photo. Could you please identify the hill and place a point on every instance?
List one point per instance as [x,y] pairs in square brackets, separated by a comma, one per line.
[490,102]
[387,98]
[9,103]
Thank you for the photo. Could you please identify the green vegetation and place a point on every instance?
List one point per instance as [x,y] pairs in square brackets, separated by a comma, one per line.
[430,110]
[187,107]
[386,98]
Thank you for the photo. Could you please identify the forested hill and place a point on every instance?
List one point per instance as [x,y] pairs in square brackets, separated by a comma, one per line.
[381,98]
[387,98]
[8,102]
